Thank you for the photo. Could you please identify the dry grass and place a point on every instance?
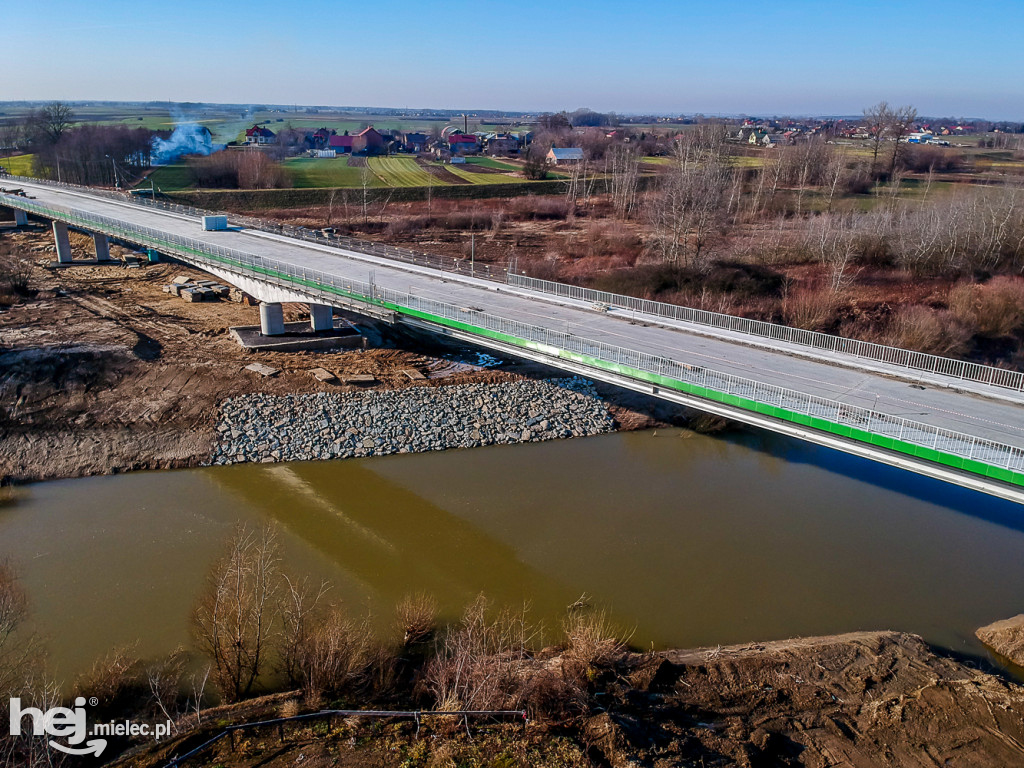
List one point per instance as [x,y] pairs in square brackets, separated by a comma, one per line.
[995,309]
[935,332]
[416,616]
[813,309]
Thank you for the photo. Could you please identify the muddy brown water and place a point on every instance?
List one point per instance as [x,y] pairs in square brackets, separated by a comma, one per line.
[687,540]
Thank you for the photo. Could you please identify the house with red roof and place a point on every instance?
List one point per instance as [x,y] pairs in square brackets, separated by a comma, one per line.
[341,144]
[368,140]
[260,135]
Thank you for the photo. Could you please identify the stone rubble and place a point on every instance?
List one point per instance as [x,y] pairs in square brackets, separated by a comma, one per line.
[270,428]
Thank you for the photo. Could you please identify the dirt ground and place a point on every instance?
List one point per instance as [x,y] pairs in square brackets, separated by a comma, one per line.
[859,700]
[101,371]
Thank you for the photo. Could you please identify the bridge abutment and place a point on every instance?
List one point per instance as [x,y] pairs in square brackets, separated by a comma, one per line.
[271,319]
[62,241]
[102,245]
[321,317]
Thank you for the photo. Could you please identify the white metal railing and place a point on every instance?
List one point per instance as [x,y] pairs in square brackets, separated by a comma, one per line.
[322,286]
[895,356]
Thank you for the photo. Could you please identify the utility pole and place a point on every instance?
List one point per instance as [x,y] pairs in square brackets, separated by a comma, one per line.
[472,253]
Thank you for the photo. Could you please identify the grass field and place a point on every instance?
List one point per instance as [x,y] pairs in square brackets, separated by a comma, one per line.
[19,165]
[401,172]
[170,178]
[490,162]
[309,172]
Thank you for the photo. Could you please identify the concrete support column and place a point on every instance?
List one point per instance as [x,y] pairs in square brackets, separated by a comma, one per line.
[60,237]
[20,218]
[271,319]
[102,247]
[321,317]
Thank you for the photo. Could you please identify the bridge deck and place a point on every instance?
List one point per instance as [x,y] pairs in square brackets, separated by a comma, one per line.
[994,419]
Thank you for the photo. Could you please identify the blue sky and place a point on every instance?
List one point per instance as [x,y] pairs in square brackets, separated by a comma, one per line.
[777,57]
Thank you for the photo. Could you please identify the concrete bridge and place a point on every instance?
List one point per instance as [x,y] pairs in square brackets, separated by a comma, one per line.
[959,422]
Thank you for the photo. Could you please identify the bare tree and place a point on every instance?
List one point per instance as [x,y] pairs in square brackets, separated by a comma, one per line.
[53,119]
[901,121]
[622,164]
[233,621]
[689,208]
[877,120]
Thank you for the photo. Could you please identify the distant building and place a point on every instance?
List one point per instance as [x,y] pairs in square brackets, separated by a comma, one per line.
[416,142]
[462,142]
[502,144]
[368,140]
[564,155]
[260,135]
[320,137]
[341,144]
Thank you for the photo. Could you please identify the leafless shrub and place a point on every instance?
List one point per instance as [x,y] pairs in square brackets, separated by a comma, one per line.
[417,617]
[115,680]
[342,657]
[14,650]
[936,332]
[479,662]
[233,620]
[810,309]
[299,606]
[994,309]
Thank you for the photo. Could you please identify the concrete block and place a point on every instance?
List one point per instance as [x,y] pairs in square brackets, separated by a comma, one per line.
[181,280]
[263,370]
[322,374]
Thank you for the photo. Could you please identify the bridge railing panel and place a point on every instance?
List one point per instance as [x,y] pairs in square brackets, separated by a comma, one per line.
[894,356]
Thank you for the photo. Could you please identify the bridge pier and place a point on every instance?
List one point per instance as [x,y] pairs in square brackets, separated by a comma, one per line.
[321,317]
[20,217]
[271,319]
[63,243]
[102,245]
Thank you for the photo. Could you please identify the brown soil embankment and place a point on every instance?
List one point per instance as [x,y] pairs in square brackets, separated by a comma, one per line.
[861,700]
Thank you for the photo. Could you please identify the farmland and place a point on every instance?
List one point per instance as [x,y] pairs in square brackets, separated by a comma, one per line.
[19,165]
[483,178]
[309,172]
[400,172]
[170,178]
[490,162]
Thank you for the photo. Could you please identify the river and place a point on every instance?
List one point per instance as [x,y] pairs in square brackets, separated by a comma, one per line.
[686,539]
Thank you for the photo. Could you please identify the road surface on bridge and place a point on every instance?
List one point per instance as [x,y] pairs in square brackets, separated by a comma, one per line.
[994,418]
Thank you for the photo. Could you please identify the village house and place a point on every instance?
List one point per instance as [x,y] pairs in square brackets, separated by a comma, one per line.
[368,141]
[502,144]
[342,145]
[464,143]
[416,142]
[564,155]
[320,138]
[260,135]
